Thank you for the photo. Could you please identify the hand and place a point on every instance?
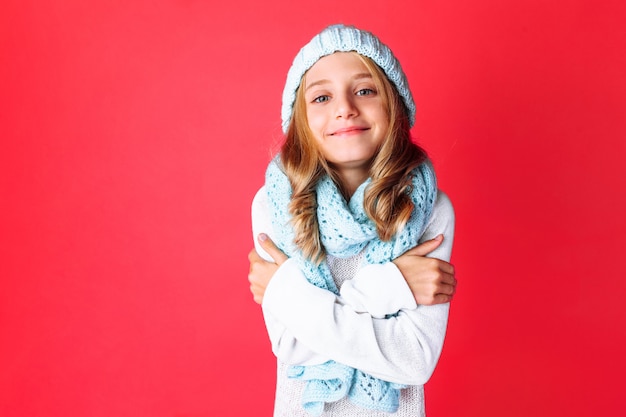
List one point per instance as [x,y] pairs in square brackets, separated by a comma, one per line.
[431,280]
[262,271]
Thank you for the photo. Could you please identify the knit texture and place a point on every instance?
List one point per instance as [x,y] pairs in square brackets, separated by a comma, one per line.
[341,38]
[345,231]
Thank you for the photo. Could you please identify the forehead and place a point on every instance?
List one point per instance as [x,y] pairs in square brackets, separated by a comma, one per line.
[336,66]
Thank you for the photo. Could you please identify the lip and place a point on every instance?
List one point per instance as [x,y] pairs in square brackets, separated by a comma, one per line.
[351,130]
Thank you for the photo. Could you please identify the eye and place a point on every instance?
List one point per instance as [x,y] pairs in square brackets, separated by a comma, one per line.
[365,92]
[321,99]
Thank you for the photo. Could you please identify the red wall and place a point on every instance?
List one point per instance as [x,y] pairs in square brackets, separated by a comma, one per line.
[134,135]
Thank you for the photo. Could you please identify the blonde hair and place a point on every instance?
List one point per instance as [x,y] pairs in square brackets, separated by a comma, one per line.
[387,198]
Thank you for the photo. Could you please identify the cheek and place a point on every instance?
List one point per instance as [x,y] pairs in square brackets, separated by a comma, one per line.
[380,113]
[383,120]
[316,122]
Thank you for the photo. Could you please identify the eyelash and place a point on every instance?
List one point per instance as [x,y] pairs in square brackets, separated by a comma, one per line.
[361,92]
[368,90]
[319,99]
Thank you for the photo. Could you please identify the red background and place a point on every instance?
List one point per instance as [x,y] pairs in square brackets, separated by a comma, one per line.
[135,133]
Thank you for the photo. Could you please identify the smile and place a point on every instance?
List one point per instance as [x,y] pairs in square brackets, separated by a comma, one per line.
[349,131]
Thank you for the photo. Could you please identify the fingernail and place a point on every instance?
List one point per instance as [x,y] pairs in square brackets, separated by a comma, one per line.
[262,237]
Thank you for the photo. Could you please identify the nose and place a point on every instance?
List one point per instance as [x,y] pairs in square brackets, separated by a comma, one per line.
[345,107]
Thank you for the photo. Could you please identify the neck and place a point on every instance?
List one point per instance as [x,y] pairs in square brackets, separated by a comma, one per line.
[351,179]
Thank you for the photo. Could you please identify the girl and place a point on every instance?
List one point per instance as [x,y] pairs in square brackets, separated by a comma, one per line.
[355,311]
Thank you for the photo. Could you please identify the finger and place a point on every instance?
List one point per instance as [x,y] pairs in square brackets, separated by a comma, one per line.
[446,289]
[438,298]
[257,295]
[448,279]
[427,247]
[261,272]
[446,267]
[270,247]
[254,256]
[442,299]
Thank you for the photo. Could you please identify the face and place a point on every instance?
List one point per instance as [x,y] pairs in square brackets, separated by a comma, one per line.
[345,111]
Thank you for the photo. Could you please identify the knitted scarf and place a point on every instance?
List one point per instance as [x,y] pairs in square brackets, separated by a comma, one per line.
[345,231]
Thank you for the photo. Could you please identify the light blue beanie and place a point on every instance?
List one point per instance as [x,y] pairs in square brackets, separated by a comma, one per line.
[341,38]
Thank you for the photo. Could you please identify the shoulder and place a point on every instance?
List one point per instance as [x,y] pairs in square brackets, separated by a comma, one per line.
[260,207]
[441,222]
[261,220]
[443,206]
[259,201]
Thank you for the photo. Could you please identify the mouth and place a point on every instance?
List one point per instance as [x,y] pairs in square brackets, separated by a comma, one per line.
[352,130]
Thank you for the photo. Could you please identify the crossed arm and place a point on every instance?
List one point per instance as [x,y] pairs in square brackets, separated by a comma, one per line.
[308,325]
[431,280]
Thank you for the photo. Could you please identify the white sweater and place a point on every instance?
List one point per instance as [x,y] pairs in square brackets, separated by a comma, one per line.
[308,325]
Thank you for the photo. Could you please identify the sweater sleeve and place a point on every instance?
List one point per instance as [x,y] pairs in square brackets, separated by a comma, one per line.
[378,289]
[309,325]
[284,345]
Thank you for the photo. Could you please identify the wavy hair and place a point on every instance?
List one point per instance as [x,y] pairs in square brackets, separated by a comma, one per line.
[387,198]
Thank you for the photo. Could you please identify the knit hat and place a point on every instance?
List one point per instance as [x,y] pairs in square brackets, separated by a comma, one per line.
[341,38]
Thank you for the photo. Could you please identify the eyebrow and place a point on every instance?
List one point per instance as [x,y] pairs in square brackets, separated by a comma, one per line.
[358,76]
